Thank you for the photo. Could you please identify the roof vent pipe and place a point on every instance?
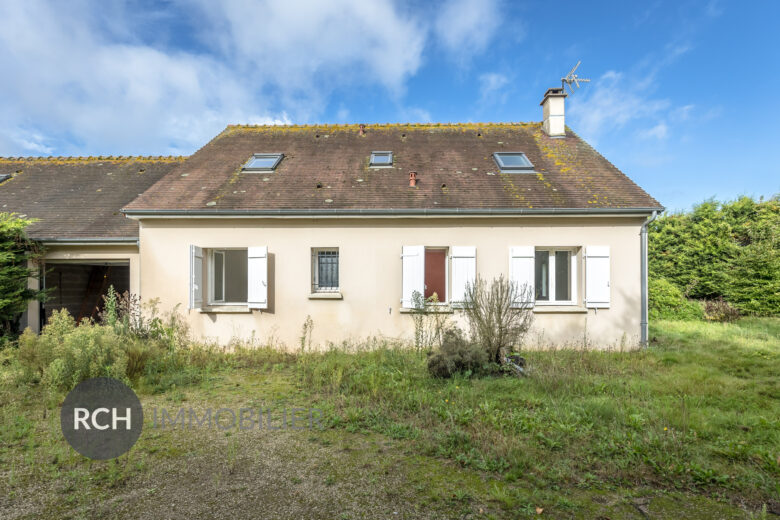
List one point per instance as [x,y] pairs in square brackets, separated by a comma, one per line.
[554,123]
[362,130]
[412,179]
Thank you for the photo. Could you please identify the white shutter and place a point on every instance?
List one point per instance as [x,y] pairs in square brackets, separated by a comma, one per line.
[257,277]
[464,271]
[196,277]
[597,289]
[413,273]
[521,271]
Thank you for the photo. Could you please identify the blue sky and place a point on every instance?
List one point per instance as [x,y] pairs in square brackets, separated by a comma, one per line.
[684,95]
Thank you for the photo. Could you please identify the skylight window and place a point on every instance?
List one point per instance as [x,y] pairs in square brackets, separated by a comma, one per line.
[513,162]
[263,162]
[379,159]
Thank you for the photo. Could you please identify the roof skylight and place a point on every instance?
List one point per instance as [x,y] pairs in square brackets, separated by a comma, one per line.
[263,162]
[381,159]
[513,162]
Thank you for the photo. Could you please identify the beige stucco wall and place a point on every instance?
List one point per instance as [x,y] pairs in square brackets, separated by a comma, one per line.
[370,273]
[86,253]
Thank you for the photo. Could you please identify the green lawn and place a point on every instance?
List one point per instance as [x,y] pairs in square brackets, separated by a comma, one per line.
[687,428]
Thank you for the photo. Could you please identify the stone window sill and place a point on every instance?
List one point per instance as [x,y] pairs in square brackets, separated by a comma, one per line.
[436,310]
[225,309]
[559,309]
[326,296]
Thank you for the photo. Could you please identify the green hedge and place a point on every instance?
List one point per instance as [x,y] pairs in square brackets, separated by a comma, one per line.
[728,250]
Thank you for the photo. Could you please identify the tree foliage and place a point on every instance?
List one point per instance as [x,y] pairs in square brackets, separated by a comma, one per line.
[728,250]
[16,250]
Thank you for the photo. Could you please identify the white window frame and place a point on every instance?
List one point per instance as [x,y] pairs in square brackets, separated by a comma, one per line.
[315,271]
[212,297]
[277,157]
[499,158]
[383,153]
[574,253]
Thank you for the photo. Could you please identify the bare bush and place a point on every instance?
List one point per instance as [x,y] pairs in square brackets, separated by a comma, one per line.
[499,315]
[430,321]
[720,310]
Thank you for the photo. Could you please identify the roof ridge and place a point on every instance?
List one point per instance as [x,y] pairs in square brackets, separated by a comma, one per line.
[357,126]
[95,158]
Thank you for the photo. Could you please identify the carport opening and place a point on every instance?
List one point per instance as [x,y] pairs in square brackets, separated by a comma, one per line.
[80,287]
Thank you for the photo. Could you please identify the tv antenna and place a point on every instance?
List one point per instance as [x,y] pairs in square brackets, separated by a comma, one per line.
[572,78]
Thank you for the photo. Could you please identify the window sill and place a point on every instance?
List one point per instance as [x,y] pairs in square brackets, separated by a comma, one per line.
[326,296]
[559,309]
[436,310]
[225,309]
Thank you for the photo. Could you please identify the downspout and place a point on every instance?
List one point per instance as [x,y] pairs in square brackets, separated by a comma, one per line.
[643,257]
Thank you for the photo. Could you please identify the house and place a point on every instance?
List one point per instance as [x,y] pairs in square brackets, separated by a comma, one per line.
[89,244]
[266,225]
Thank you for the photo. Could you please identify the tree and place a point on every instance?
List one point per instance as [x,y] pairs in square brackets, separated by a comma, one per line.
[16,252]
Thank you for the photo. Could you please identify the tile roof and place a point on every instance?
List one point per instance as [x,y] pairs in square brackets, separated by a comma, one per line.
[325,168]
[78,197]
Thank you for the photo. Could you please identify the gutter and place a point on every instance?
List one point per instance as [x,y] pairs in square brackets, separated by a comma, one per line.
[643,320]
[92,241]
[330,213]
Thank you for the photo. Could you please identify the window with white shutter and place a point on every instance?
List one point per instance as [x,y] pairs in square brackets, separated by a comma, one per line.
[464,271]
[196,277]
[412,273]
[227,277]
[257,277]
[521,272]
[555,275]
[597,272]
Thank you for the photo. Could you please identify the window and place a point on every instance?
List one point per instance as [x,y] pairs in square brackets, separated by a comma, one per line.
[263,162]
[443,271]
[228,276]
[325,270]
[513,162]
[555,276]
[436,273]
[380,159]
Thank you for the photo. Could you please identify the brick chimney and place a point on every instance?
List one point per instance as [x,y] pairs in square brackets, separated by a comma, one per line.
[553,110]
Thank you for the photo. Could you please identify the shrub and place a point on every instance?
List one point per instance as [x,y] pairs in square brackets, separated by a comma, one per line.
[128,317]
[720,310]
[35,352]
[667,302]
[89,351]
[456,355]
[498,323]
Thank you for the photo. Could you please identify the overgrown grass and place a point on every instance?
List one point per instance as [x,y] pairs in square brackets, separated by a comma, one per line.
[696,415]
[697,411]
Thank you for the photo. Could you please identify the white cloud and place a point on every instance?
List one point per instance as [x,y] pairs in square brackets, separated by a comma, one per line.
[466,27]
[490,87]
[415,115]
[75,83]
[658,131]
[294,44]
